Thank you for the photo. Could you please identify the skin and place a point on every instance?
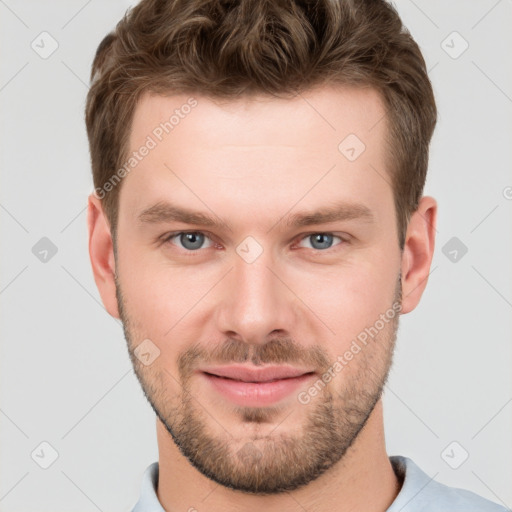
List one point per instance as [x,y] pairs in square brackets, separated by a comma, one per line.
[253,163]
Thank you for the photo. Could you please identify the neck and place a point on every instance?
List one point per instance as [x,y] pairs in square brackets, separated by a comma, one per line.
[363,480]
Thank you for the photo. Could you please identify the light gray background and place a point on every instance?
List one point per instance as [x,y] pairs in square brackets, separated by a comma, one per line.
[65,373]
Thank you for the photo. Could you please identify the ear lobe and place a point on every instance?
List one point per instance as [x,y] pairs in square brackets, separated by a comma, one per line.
[418,252]
[101,253]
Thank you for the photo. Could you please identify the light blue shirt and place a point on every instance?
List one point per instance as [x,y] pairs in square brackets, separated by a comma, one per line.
[419,493]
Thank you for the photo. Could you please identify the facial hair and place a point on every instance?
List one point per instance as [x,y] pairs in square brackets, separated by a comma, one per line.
[277,461]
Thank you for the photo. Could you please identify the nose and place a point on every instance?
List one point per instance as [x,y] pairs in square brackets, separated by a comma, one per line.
[255,302]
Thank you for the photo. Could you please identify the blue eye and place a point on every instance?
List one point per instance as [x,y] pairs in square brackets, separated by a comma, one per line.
[321,241]
[193,241]
[189,240]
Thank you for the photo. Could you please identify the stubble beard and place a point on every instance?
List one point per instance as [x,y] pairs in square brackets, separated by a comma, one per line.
[276,462]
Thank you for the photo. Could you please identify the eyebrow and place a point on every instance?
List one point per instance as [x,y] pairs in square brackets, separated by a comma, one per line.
[164,212]
[336,213]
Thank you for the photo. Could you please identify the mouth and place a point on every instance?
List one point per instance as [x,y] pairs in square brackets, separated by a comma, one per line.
[255,374]
[253,386]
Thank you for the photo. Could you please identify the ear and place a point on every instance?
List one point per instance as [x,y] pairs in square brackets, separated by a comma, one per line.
[418,252]
[101,252]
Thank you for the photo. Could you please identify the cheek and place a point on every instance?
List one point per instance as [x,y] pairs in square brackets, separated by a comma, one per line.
[161,300]
[349,298]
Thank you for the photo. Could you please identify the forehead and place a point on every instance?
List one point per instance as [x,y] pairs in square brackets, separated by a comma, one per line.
[324,113]
[322,145]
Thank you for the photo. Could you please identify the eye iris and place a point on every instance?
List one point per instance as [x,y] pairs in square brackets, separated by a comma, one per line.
[192,241]
[324,240]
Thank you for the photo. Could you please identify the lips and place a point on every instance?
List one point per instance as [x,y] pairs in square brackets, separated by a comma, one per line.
[250,386]
[256,375]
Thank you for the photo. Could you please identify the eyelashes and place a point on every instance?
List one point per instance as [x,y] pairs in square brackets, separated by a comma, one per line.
[193,241]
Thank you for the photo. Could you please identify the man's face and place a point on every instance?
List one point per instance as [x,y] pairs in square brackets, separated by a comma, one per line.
[260,287]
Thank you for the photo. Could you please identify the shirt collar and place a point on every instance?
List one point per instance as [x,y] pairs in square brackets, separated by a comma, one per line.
[148,501]
[413,480]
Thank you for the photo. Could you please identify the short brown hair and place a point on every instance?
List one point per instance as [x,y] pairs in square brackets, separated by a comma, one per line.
[226,49]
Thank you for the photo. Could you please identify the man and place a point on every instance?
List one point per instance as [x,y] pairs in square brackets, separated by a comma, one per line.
[258,225]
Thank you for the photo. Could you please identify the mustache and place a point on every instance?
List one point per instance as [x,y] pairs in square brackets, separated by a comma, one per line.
[275,351]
